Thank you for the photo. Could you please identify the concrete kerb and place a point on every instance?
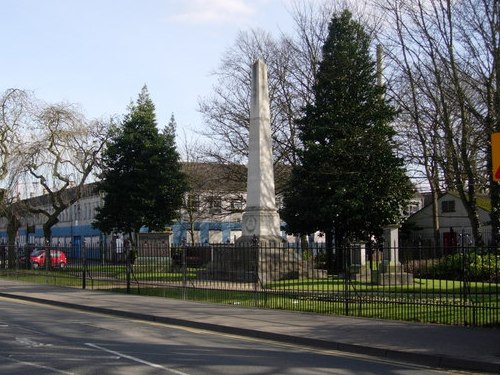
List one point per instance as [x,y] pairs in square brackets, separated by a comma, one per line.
[430,360]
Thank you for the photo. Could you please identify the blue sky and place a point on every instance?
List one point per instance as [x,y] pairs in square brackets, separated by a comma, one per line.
[99,53]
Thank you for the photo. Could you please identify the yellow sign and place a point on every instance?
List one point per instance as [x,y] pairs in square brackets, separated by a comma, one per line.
[495,156]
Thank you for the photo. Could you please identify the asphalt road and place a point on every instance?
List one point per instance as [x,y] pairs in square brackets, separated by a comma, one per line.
[39,339]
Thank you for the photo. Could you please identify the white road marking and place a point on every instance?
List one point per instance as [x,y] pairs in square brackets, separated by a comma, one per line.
[28,342]
[10,358]
[135,359]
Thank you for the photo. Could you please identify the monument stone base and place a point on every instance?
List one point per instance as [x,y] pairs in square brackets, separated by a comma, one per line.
[258,264]
[360,273]
[391,274]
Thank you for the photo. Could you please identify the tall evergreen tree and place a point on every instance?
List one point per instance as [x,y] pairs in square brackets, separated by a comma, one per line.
[349,182]
[142,179]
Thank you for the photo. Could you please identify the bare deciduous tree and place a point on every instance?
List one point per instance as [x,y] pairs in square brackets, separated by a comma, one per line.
[215,190]
[62,158]
[292,62]
[15,106]
[442,57]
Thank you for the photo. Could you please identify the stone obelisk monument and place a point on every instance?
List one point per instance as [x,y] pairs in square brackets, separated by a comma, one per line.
[260,221]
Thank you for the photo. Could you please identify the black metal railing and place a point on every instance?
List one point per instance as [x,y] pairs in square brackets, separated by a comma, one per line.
[460,287]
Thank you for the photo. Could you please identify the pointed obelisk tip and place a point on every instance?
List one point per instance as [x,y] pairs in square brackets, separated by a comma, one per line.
[259,63]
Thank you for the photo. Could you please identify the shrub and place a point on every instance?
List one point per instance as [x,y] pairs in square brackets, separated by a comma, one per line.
[473,266]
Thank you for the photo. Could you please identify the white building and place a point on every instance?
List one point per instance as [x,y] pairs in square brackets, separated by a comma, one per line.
[453,221]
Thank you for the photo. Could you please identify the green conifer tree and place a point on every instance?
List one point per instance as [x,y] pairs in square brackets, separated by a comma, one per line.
[349,182]
[142,181]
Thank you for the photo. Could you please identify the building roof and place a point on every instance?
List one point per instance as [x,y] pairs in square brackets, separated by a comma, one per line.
[483,200]
[227,177]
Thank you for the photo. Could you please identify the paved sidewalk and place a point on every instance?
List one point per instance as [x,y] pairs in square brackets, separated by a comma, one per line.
[473,349]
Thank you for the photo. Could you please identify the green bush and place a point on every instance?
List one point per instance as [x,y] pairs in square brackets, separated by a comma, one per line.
[473,266]
[307,254]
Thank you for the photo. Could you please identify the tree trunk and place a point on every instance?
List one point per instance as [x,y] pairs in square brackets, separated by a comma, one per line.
[435,221]
[47,236]
[494,122]
[339,252]
[12,226]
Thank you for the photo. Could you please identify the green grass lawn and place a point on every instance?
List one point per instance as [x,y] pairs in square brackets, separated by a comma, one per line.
[426,300]
[450,311]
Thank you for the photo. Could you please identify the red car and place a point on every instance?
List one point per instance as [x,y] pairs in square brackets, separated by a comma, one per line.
[58,258]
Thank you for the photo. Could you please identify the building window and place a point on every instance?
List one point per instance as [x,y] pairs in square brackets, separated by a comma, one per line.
[193,203]
[214,204]
[448,206]
[237,204]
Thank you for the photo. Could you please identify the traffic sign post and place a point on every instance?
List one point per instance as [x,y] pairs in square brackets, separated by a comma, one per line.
[495,156]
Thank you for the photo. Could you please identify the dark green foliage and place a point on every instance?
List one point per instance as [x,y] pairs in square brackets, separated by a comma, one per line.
[349,183]
[471,266]
[142,180]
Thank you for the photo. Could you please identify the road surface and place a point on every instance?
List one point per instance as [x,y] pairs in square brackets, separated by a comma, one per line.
[40,339]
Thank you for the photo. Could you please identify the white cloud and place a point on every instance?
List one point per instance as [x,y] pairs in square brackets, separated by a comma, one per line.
[214,11]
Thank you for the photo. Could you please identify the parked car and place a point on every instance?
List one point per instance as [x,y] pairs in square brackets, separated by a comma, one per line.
[58,258]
